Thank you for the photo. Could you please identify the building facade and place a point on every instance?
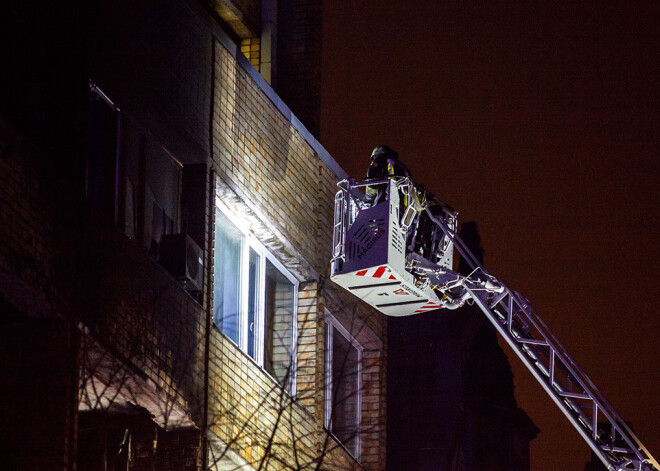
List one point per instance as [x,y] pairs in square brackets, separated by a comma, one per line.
[451,406]
[165,234]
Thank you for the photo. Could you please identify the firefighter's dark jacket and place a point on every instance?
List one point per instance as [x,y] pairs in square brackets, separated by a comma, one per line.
[384,166]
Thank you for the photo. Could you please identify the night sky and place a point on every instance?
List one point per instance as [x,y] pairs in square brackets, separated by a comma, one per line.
[540,123]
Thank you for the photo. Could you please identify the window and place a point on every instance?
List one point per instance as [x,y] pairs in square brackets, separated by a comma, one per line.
[129,175]
[162,192]
[254,298]
[342,385]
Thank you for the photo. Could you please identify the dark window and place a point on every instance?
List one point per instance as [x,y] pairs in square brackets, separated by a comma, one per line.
[130,176]
[343,395]
[280,309]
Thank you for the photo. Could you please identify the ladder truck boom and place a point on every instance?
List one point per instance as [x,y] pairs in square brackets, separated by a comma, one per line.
[373,258]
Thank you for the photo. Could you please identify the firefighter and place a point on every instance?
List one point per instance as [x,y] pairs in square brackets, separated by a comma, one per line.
[440,242]
[431,241]
[421,233]
[385,163]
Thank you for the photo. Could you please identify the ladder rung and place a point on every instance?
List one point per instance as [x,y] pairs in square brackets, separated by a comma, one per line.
[617,449]
[497,300]
[575,395]
[531,341]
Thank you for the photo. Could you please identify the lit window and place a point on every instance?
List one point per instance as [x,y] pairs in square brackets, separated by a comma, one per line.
[342,385]
[251,49]
[229,244]
[254,298]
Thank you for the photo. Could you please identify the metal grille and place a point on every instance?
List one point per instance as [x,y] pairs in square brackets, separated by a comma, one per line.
[364,237]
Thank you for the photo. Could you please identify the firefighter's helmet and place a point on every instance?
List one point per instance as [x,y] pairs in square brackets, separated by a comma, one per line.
[384,151]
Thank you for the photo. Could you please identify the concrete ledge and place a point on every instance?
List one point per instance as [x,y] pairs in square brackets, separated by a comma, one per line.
[265,231]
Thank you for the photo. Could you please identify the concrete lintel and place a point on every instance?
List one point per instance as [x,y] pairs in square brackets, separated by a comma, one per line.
[264,230]
[231,15]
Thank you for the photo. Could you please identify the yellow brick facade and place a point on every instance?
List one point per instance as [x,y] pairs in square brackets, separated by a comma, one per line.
[134,350]
[264,162]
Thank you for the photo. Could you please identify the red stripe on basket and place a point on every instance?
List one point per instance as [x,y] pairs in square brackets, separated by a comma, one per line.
[379,272]
[361,273]
[428,309]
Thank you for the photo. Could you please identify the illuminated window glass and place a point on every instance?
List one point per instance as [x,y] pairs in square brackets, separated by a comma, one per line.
[227,276]
[254,298]
[254,281]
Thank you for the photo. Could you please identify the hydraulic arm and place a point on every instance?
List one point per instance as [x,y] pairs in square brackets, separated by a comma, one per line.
[373,259]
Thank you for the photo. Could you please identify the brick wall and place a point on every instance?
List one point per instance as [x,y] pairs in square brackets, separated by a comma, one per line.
[37,347]
[157,68]
[144,319]
[260,151]
[141,340]
[264,160]
[297,55]
[30,246]
[258,419]
[251,50]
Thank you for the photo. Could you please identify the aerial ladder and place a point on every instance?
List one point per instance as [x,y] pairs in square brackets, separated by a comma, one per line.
[377,258]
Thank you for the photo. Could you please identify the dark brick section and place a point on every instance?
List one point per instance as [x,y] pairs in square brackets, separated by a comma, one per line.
[299,59]
[111,441]
[106,361]
[40,57]
[37,340]
[52,276]
[153,58]
[135,307]
[65,269]
[31,248]
[36,398]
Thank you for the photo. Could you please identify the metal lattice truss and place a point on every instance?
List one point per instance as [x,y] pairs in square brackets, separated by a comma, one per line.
[569,387]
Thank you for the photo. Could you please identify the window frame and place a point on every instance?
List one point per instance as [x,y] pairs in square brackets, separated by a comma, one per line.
[332,322]
[248,243]
[147,154]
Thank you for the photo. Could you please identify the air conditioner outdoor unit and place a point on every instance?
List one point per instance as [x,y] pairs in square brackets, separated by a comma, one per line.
[184,259]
